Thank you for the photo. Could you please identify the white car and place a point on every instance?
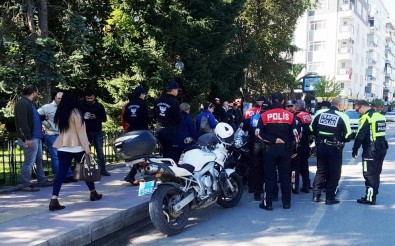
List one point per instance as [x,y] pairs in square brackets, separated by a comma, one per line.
[354,118]
[390,116]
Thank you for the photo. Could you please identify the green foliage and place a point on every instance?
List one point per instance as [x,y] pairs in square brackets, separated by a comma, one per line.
[327,88]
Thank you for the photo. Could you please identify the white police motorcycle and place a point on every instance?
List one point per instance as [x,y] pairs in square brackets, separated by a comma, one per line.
[200,179]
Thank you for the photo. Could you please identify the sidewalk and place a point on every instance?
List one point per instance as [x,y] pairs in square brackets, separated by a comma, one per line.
[26,220]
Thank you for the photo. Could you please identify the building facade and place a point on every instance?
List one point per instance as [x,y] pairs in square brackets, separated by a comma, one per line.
[345,40]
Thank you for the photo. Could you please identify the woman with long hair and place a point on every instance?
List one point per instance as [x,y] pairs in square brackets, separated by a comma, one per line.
[71,143]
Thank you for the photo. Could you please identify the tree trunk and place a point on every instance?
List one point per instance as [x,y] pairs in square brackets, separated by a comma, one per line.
[45,68]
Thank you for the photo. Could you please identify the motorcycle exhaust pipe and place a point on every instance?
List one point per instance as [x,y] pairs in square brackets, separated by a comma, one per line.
[158,168]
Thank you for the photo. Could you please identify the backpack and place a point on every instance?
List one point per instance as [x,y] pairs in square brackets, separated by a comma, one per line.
[205,125]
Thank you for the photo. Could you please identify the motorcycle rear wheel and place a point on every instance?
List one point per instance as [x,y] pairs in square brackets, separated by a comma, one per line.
[164,218]
[227,198]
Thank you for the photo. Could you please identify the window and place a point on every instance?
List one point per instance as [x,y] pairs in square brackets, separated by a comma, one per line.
[317,67]
[323,4]
[317,25]
[317,46]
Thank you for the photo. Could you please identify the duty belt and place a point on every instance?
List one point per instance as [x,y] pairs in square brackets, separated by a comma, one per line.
[331,143]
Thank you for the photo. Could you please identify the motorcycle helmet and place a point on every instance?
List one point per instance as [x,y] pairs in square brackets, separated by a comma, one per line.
[224,133]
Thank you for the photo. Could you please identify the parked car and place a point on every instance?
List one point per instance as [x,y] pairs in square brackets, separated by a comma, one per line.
[354,118]
[390,116]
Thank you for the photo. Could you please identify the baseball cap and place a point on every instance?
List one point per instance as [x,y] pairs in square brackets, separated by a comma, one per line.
[172,85]
[277,97]
[260,98]
[139,90]
[291,102]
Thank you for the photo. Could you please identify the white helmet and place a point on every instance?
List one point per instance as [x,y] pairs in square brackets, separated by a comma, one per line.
[224,133]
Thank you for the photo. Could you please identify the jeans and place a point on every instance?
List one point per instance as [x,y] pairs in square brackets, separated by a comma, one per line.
[65,159]
[32,155]
[49,141]
[96,139]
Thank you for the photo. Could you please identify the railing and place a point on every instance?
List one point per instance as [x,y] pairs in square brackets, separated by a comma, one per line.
[11,159]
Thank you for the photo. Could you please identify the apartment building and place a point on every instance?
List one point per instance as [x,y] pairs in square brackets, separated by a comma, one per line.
[345,40]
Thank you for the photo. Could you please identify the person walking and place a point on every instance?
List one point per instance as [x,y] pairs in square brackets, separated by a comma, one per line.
[205,120]
[29,133]
[71,144]
[277,129]
[300,163]
[371,136]
[331,129]
[136,111]
[52,132]
[94,115]
[168,117]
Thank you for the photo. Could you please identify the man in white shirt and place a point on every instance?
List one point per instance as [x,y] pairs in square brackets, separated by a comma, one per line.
[52,132]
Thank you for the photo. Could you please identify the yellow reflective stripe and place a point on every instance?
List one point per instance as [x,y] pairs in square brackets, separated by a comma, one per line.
[369,195]
[325,133]
[346,120]
[365,166]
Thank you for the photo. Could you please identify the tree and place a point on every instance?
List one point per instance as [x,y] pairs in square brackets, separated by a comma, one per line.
[327,88]
[293,78]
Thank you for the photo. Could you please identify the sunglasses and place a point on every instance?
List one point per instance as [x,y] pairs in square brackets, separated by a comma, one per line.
[288,106]
[357,109]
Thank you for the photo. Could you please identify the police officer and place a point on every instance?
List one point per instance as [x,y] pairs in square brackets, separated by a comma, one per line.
[371,135]
[331,129]
[255,146]
[300,163]
[136,111]
[277,128]
[137,117]
[168,116]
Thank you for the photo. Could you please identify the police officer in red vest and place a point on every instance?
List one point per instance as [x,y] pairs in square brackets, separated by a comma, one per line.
[277,129]
[300,163]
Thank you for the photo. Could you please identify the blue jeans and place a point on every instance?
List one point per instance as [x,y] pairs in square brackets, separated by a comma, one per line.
[96,139]
[49,140]
[32,155]
[65,159]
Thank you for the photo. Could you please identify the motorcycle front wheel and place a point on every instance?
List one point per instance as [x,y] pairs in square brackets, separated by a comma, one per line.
[161,211]
[228,198]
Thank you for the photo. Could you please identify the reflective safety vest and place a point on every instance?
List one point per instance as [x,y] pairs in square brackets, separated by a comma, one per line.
[377,124]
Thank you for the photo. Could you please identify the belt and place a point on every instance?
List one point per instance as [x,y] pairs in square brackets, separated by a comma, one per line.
[331,143]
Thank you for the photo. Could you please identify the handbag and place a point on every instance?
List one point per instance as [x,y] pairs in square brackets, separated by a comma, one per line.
[87,169]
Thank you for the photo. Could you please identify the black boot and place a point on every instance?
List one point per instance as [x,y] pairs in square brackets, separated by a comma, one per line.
[95,196]
[54,205]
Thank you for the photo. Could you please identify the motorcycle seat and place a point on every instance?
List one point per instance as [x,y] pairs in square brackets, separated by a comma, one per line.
[188,167]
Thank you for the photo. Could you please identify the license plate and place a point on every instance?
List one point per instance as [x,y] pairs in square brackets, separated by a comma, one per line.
[146,188]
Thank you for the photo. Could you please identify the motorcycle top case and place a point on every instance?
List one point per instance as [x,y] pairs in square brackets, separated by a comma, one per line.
[134,145]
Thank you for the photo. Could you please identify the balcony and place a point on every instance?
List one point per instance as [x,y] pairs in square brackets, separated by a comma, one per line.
[345,53]
[346,10]
[344,74]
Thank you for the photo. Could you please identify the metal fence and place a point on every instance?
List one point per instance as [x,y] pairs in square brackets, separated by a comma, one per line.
[11,159]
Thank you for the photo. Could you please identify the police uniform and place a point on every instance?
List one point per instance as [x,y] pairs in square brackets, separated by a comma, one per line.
[277,123]
[168,116]
[136,113]
[331,129]
[371,135]
[256,148]
[303,153]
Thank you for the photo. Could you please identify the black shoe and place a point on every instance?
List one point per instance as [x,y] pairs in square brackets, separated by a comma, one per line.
[364,201]
[331,201]
[30,188]
[54,205]
[257,196]
[295,191]
[105,173]
[316,198]
[95,196]
[305,190]
[287,206]
[266,207]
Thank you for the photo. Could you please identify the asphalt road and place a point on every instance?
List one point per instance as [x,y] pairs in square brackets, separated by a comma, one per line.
[306,223]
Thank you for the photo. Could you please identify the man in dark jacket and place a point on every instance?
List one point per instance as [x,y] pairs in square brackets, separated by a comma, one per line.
[136,111]
[94,115]
[29,132]
[168,117]
[371,136]
[277,128]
